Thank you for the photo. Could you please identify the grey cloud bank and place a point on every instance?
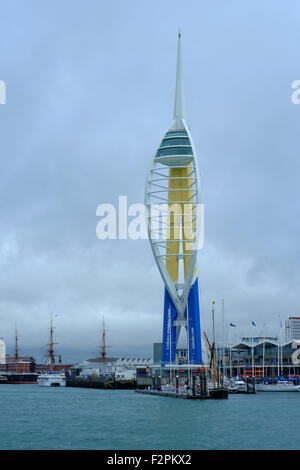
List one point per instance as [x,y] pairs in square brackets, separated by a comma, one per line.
[89,93]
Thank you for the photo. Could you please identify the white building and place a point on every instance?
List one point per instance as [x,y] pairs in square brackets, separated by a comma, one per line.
[292,328]
[2,351]
[125,367]
[94,370]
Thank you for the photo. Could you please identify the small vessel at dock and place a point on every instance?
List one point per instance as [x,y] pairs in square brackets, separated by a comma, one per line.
[18,378]
[52,378]
[279,386]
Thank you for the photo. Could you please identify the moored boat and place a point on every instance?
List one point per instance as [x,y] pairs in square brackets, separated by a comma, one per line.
[280,386]
[18,378]
[237,386]
[52,378]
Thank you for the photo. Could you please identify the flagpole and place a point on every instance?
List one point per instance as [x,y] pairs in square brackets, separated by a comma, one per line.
[230,362]
[223,355]
[263,358]
[278,357]
[214,346]
[263,349]
[281,369]
[252,354]
[252,350]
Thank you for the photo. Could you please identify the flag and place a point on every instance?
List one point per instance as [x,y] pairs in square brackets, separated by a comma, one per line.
[253,323]
[231,324]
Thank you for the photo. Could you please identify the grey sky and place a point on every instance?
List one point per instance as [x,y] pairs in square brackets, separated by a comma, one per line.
[90,90]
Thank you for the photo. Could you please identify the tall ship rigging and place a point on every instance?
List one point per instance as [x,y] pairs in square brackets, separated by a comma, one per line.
[52,378]
[22,373]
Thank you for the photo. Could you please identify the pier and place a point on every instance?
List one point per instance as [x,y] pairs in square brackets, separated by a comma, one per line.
[105,385]
[216,394]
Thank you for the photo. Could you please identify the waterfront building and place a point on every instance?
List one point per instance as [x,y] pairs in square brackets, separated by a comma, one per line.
[94,369]
[292,328]
[260,357]
[173,201]
[21,364]
[126,367]
[123,368]
[2,351]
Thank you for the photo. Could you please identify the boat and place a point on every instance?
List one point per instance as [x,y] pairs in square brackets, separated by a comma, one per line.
[52,378]
[280,386]
[219,392]
[237,386]
[215,388]
[18,378]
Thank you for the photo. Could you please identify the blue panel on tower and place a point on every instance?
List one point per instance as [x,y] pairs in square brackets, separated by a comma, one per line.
[194,330]
[169,330]
[193,311]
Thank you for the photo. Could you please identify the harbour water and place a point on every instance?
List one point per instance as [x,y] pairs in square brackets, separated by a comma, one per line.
[34,417]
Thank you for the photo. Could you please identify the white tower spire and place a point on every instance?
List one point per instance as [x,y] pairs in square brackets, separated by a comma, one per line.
[179,107]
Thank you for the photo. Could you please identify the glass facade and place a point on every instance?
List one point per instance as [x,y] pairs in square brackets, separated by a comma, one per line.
[175,141]
[174,151]
[176,133]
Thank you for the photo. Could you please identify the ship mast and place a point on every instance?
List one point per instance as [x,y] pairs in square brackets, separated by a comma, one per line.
[51,344]
[211,348]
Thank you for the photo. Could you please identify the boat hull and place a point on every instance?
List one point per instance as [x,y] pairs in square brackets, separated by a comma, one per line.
[277,388]
[18,378]
[51,380]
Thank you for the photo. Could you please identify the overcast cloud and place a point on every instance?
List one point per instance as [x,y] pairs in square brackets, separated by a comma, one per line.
[90,90]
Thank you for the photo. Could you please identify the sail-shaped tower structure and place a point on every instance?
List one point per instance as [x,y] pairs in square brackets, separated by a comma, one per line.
[174,212]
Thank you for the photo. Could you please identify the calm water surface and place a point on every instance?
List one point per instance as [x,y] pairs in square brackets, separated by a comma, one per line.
[34,417]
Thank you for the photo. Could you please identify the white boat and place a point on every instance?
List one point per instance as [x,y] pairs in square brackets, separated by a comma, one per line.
[282,386]
[237,386]
[52,379]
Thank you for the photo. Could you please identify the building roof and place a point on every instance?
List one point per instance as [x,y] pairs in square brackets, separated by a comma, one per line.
[249,344]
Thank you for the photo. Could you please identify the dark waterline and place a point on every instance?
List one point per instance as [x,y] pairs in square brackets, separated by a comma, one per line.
[34,417]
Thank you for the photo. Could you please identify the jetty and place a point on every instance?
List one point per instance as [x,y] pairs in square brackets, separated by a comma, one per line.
[220,393]
[106,385]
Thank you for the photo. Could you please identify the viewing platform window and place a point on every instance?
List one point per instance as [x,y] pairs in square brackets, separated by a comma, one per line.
[175,141]
[174,151]
[176,133]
